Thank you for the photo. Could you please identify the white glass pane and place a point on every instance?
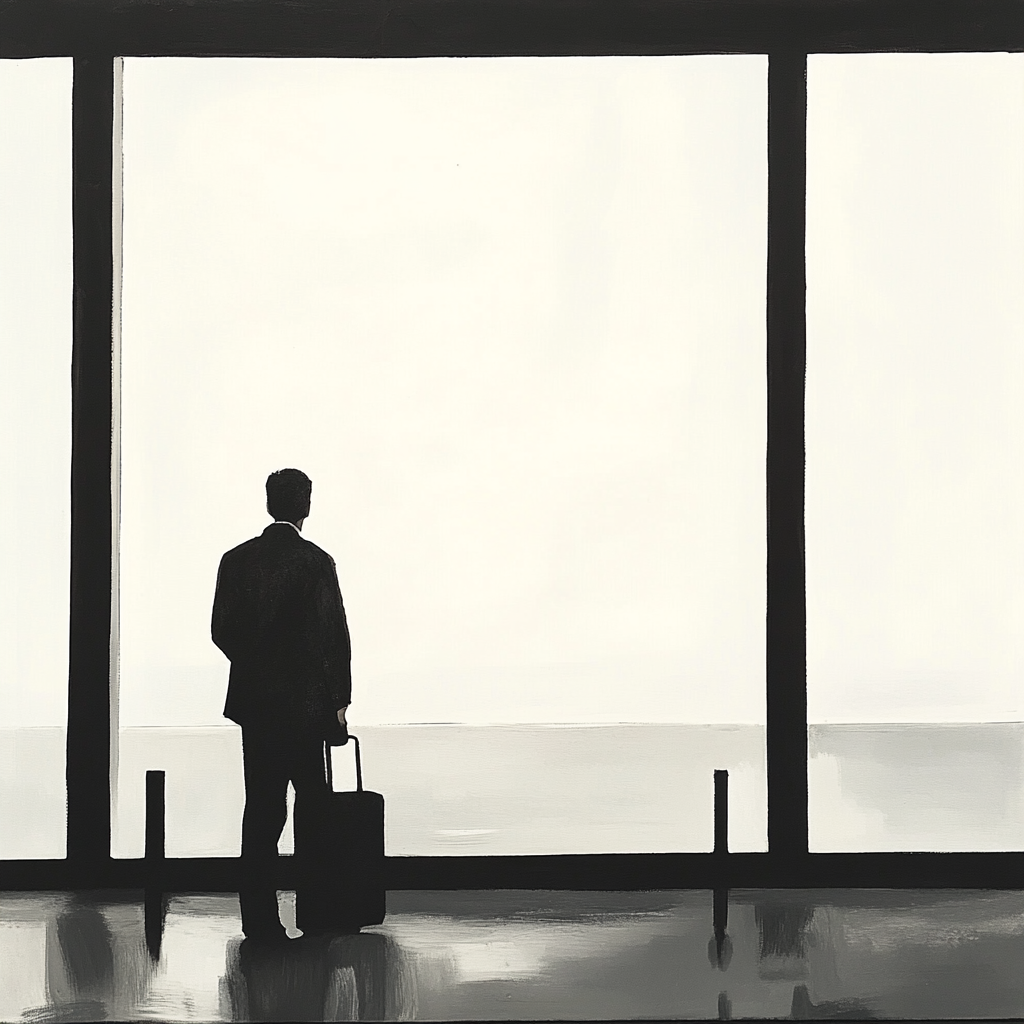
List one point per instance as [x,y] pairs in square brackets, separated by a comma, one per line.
[915,442]
[509,316]
[35,451]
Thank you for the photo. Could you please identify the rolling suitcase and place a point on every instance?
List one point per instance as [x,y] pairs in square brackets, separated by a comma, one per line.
[339,852]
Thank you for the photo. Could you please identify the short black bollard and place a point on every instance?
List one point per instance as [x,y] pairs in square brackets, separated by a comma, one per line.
[720,947]
[155,906]
[721,811]
[155,846]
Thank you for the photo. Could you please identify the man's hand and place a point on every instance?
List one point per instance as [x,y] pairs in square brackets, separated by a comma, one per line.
[341,715]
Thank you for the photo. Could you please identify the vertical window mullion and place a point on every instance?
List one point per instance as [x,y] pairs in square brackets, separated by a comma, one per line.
[88,744]
[786,675]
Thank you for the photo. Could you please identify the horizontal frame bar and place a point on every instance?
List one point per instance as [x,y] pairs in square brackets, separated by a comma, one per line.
[485,28]
[582,872]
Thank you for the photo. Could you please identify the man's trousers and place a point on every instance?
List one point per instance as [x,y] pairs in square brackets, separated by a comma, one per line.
[272,756]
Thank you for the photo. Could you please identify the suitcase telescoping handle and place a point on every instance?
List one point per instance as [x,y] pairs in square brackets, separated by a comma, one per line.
[330,768]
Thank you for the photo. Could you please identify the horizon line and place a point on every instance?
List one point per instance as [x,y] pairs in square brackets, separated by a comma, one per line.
[569,724]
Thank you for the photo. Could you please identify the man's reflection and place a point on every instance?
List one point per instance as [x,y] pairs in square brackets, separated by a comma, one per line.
[782,938]
[836,1009]
[323,977]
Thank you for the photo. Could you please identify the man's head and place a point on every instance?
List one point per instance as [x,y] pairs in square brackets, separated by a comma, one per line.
[288,492]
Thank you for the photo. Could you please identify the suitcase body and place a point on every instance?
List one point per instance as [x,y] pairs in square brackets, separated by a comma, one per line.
[339,851]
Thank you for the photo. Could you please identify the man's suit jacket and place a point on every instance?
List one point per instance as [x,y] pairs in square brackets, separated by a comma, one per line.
[279,617]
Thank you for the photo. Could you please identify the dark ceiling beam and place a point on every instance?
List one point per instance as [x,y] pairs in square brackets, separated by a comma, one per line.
[410,28]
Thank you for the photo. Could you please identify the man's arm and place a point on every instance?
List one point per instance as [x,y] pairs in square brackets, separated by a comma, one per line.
[223,607]
[337,646]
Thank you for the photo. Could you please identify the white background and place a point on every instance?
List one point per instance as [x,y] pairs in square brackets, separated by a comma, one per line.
[506,396]
[914,494]
[915,388]
[35,389]
[509,317]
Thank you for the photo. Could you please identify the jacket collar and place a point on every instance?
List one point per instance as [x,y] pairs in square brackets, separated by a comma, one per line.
[282,522]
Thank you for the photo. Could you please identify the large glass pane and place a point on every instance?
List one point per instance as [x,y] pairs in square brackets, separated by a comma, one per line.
[35,451]
[509,316]
[915,442]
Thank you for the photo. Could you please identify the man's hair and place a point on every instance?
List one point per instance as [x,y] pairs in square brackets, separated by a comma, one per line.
[288,492]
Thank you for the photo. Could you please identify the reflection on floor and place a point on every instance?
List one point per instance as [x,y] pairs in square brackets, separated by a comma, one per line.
[521,955]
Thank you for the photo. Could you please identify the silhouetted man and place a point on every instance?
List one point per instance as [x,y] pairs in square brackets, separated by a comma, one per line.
[278,616]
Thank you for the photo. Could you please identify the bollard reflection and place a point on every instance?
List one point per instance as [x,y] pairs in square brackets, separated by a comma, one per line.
[720,946]
[92,972]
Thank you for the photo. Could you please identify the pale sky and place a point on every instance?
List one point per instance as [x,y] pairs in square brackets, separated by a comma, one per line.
[35,389]
[915,387]
[509,315]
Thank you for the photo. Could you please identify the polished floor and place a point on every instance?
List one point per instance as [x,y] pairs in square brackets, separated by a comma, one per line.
[835,954]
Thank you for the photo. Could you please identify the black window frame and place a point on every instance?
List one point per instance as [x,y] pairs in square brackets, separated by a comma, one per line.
[95,33]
